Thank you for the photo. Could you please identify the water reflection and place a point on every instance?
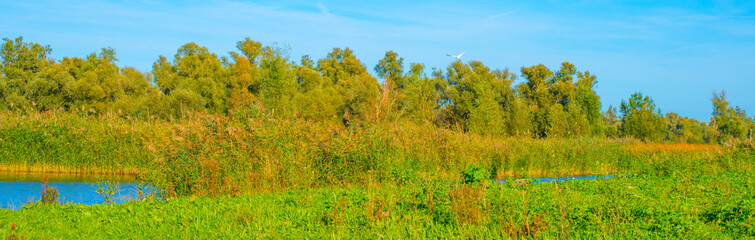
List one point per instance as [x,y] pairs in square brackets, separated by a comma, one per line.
[557,179]
[18,189]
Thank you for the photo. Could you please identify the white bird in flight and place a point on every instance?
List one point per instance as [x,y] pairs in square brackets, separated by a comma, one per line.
[458,57]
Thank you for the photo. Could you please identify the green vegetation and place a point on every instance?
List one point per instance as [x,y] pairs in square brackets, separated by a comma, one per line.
[247,177]
[263,80]
[718,205]
[210,155]
[62,142]
[257,145]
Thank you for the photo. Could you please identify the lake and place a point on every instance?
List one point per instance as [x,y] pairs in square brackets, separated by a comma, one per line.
[18,189]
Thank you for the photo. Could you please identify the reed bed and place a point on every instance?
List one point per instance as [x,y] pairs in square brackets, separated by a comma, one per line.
[259,177]
[212,155]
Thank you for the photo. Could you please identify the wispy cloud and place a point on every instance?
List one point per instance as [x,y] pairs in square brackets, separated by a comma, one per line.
[691,47]
[322,7]
[500,15]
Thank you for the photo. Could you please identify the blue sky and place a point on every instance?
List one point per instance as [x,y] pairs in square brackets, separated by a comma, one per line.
[677,52]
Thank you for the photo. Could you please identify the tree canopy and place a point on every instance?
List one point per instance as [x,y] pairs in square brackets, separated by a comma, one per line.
[259,79]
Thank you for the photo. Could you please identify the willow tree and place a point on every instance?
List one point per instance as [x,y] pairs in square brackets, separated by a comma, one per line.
[536,92]
[475,97]
[3,89]
[589,102]
[277,81]
[457,94]
[558,105]
[684,130]
[420,95]
[640,118]
[195,80]
[51,88]
[730,121]
[612,123]
[391,70]
[357,89]
[21,64]
[317,98]
[244,74]
[98,80]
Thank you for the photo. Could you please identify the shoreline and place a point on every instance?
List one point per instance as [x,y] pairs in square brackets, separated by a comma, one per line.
[61,169]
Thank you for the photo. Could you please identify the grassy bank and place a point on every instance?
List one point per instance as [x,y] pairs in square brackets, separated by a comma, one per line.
[691,206]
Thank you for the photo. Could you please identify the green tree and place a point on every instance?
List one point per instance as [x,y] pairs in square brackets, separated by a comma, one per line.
[730,121]
[244,79]
[199,75]
[475,97]
[519,119]
[3,90]
[579,106]
[51,88]
[458,96]
[561,85]
[357,88]
[20,65]
[421,95]
[278,81]
[537,95]
[710,133]
[589,102]
[683,129]
[750,125]
[578,124]
[640,119]
[317,98]
[486,115]
[557,124]
[141,98]
[20,59]
[98,81]
[391,69]
[612,123]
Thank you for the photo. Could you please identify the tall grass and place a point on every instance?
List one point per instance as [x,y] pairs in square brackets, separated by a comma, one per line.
[216,155]
[380,180]
[67,142]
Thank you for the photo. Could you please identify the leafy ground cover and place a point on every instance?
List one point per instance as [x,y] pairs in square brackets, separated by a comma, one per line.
[696,206]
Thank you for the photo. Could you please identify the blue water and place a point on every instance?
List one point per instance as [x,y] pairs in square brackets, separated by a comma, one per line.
[17,190]
[557,179]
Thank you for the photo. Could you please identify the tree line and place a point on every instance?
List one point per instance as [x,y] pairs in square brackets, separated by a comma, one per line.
[257,80]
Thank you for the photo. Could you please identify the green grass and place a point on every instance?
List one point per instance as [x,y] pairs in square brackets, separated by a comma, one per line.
[694,206]
[240,177]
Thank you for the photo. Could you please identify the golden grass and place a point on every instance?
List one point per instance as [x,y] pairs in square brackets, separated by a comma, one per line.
[671,147]
[574,172]
[56,168]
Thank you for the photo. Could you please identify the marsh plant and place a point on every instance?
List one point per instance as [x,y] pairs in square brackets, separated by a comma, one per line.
[475,174]
[146,191]
[49,194]
[108,190]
